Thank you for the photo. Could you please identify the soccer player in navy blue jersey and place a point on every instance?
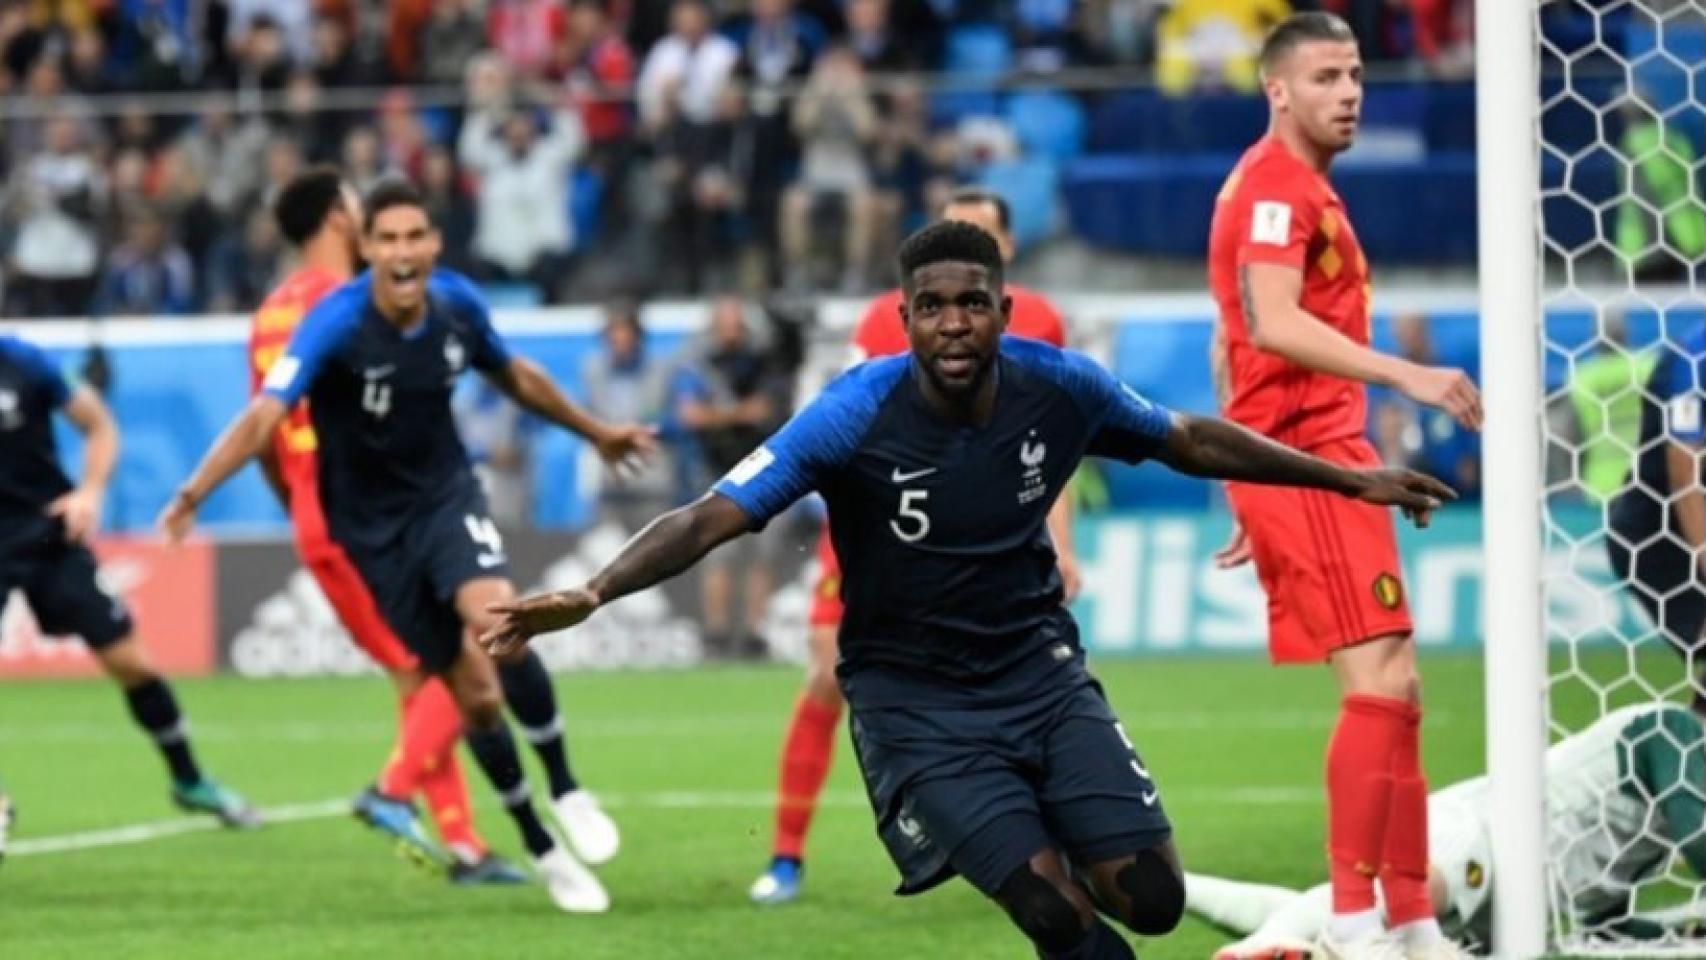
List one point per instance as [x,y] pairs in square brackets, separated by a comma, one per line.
[46,524]
[987,748]
[376,361]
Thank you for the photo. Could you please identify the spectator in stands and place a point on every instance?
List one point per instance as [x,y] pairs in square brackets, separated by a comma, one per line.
[685,75]
[243,267]
[291,20]
[1409,435]
[87,69]
[127,190]
[873,39]
[624,383]
[523,232]
[57,199]
[148,274]
[701,168]
[597,70]
[778,45]
[526,33]
[337,61]
[361,158]
[1605,392]
[911,166]
[182,197]
[1213,43]
[449,40]
[282,161]
[154,39]
[486,84]
[227,156]
[403,137]
[448,205]
[835,120]
[730,398]
[262,63]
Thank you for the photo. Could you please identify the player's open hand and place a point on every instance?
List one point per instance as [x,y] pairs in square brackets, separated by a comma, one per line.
[79,512]
[1416,494]
[177,519]
[1237,551]
[521,620]
[1446,388]
[627,448]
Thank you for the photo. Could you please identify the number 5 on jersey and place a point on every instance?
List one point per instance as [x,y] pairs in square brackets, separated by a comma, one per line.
[485,534]
[913,524]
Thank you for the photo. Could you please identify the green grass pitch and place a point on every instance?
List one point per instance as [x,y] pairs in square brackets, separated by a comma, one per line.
[688,762]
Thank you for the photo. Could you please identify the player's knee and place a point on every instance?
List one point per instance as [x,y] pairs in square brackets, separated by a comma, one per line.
[126,664]
[1152,892]
[1043,911]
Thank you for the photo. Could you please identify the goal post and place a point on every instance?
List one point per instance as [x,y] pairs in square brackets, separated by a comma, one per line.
[1508,183]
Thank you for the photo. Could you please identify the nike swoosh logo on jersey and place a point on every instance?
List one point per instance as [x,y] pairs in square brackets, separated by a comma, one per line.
[490,560]
[374,373]
[900,477]
[1149,798]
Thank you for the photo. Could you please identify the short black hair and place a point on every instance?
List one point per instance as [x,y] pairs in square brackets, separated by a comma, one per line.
[390,192]
[973,196]
[949,241]
[1301,28]
[301,208]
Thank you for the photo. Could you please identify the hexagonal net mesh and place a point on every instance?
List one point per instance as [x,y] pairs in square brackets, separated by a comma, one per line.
[1622,131]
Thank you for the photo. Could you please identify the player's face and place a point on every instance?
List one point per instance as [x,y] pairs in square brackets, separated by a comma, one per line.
[985,217]
[1319,86]
[954,315]
[401,246]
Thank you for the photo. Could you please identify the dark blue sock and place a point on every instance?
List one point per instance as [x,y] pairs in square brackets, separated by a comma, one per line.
[494,750]
[527,690]
[1101,943]
[156,712]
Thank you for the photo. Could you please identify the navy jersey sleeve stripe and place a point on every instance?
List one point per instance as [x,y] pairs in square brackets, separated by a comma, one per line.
[39,368]
[488,351]
[320,334]
[1122,423]
[822,436]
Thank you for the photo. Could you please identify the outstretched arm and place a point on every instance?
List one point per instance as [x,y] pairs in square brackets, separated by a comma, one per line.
[666,547]
[1221,450]
[243,439]
[527,383]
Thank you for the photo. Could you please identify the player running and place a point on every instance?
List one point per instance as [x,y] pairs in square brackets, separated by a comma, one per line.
[319,216]
[46,525]
[1621,797]
[1658,520]
[987,748]
[1292,288]
[377,359]
[809,743]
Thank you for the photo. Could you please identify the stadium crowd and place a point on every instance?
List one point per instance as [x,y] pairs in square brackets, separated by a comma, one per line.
[681,143]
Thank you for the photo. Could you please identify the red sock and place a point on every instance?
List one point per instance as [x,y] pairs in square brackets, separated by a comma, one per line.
[1404,866]
[446,794]
[806,752]
[429,730]
[1359,795]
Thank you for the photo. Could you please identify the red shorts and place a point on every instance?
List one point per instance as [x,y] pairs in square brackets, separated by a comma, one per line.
[1328,564]
[342,584]
[826,592]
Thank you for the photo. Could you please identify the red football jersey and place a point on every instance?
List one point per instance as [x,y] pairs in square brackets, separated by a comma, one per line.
[1274,208]
[879,333]
[269,335]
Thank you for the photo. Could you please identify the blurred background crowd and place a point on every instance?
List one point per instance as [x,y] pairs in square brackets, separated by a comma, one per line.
[575,148]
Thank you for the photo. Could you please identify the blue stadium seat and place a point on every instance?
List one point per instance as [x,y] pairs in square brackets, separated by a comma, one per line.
[1048,124]
[949,107]
[980,50]
[511,295]
[586,202]
[1029,185]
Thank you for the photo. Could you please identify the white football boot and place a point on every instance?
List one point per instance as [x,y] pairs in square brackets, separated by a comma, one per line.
[589,829]
[572,886]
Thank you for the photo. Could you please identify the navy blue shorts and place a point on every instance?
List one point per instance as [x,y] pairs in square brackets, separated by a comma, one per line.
[1658,571]
[415,581]
[978,792]
[59,582]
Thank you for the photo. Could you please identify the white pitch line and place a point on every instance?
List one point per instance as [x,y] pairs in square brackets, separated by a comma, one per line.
[1278,795]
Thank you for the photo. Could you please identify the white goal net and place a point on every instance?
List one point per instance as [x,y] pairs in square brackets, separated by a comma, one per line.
[1622,217]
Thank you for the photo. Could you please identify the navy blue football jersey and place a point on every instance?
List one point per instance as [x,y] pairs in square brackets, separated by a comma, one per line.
[949,575]
[31,389]
[379,399]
